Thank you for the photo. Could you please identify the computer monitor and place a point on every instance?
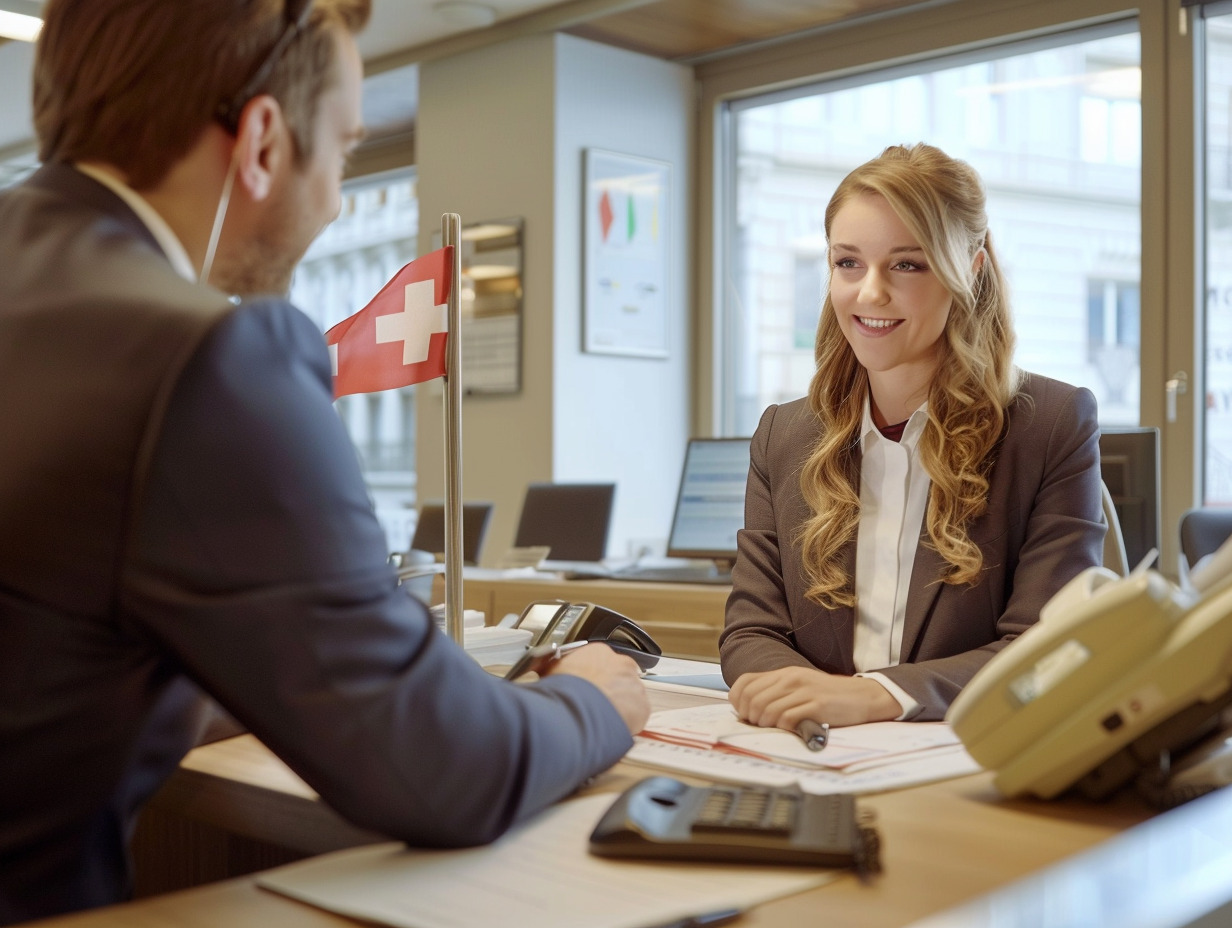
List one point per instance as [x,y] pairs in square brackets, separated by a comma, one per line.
[1129,463]
[710,501]
[572,519]
[430,530]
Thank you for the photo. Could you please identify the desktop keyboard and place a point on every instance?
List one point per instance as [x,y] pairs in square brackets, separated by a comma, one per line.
[685,573]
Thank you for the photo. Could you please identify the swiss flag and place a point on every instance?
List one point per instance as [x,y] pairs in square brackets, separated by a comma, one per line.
[399,338]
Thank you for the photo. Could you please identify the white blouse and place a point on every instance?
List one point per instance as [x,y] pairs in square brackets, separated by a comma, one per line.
[893,501]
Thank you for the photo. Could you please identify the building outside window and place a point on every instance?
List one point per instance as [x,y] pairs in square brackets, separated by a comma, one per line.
[1055,132]
[1217,389]
[372,238]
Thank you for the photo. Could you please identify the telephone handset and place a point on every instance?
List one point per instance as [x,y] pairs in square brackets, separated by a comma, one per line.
[559,622]
[1120,676]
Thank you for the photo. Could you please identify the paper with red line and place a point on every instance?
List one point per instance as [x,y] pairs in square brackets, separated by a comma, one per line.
[716,727]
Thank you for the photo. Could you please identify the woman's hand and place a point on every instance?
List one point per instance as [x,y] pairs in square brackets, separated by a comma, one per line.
[785,697]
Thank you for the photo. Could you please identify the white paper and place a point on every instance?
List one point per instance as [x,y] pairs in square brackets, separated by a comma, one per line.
[537,876]
[717,724]
[704,740]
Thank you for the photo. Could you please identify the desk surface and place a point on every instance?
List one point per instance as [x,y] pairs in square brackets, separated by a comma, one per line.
[942,844]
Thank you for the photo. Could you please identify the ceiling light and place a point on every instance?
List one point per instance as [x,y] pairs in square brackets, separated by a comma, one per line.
[464,13]
[19,26]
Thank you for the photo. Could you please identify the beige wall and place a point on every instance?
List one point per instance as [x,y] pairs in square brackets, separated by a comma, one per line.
[485,150]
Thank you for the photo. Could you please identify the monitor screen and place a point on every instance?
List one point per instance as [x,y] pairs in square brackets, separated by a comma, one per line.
[1129,465]
[429,532]
[571,519]
[710,503]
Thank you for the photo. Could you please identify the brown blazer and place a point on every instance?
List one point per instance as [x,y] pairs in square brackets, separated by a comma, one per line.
[1043,525]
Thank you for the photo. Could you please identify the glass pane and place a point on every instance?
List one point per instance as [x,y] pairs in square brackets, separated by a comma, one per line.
[372,238]
[1217,483]
[1056,135]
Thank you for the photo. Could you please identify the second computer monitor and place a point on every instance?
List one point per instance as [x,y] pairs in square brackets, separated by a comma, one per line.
[430,530]
[1129,464]
[710,501]
[571,519]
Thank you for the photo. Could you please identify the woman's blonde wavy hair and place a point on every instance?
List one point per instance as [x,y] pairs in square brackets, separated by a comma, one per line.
[941,201]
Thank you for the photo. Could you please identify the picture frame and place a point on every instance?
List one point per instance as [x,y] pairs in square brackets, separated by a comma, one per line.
[626,240]
[490,255]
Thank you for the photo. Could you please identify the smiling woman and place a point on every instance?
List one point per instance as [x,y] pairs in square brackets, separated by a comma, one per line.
[888,304]
[909,517]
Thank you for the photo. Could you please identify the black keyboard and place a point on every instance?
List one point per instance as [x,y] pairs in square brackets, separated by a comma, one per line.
[686,573]
[661,817]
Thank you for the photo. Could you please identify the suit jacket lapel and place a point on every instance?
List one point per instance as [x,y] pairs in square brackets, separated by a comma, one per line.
[843,619]
[925,588]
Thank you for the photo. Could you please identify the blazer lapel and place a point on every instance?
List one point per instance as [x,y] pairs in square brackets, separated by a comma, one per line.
[925,588]
[843,619]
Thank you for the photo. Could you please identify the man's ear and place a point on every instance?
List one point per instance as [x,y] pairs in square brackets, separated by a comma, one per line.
[262,146]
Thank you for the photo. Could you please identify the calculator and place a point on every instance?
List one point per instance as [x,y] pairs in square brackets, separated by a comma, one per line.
[661,817]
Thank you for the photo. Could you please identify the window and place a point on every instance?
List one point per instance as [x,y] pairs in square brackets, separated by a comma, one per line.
[1217,460]
[1113,326]
[372,238]
[1056,134]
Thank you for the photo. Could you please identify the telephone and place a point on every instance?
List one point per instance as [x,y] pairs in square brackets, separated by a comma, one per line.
[1119,675]
[558,622]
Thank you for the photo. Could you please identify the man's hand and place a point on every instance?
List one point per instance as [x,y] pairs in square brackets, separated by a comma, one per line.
[785,697]
[617,675]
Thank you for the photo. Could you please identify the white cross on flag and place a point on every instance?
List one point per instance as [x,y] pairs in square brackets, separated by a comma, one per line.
[399,338]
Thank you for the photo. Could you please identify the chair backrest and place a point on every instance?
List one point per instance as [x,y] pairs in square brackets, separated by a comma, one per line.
[571,519]
[430,530]
[1115,558]
[1203,530]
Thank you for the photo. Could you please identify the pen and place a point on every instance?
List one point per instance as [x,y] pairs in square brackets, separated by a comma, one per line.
[719,917]
[815,735]
[540,657]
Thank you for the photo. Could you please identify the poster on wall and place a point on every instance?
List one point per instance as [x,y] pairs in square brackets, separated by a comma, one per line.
[626,255]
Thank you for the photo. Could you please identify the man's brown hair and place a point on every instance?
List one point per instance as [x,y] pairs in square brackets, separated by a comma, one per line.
[134,83]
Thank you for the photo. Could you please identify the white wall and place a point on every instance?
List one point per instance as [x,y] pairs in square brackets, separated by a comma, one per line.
[621,418]
[501,134]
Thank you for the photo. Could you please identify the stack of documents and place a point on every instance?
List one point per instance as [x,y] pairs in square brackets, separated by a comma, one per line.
[710,741]
[494,645]
[537,876]
[490,645]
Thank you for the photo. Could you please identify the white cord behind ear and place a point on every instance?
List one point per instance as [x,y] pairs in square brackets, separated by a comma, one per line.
[219,215]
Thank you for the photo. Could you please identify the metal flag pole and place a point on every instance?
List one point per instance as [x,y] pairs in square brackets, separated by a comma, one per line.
[451,234]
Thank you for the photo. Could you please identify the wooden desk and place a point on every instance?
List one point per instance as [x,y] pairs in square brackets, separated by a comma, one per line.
[942,844]
[684,618]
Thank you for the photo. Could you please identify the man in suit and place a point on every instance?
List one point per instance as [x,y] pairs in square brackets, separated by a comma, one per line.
[180,508]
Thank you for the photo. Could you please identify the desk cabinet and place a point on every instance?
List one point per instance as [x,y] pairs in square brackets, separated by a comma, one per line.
[684,618]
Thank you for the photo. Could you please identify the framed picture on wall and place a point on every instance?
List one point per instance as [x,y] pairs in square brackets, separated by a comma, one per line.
[625,264]
[491,305]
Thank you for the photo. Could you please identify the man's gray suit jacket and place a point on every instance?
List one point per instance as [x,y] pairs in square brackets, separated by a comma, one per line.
[1043,526]
[180,507]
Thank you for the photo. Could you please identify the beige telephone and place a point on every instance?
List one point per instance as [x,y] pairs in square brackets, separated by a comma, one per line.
[1117,672]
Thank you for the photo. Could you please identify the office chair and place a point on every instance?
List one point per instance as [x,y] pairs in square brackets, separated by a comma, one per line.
[1115,558]
[1203,530]
[429,532]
